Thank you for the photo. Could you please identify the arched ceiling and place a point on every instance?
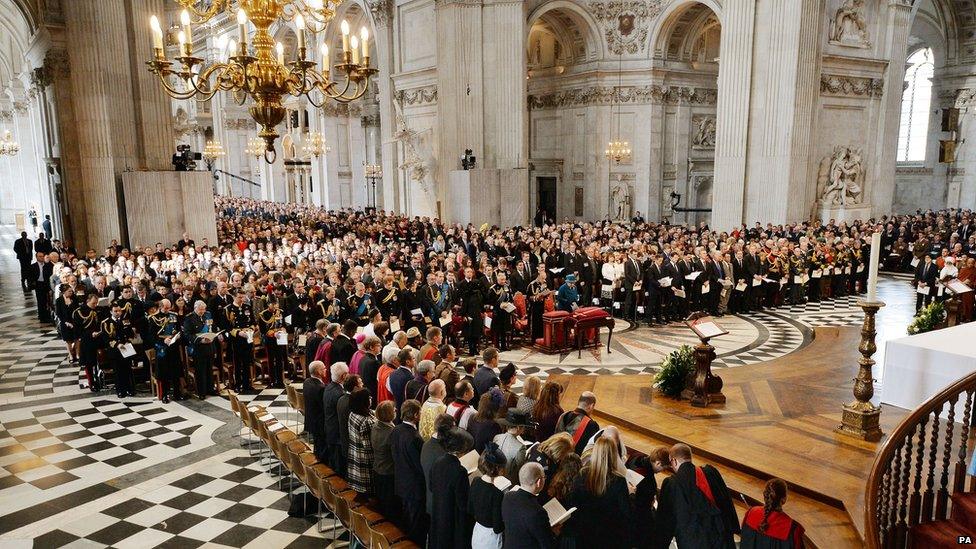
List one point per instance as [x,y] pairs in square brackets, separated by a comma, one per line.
[690,35]
[15,33]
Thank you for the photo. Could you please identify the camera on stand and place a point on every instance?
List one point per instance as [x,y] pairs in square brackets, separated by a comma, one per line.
[185,160]
[467,160]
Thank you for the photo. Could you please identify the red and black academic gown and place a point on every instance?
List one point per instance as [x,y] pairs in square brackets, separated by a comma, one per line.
[781,532]
[696,510]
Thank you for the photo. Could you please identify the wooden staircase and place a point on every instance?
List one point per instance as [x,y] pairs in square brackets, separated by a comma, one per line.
[945,533]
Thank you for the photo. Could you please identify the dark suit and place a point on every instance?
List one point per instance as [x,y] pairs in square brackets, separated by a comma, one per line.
[484,379]
[409,483]
[342,350]
[632,275]
[312,390]
[526,522]
[925,273]
[330,414]
[24,250]
[40,281]
[369,368]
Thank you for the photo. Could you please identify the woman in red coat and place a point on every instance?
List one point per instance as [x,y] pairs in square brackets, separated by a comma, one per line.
[768,527]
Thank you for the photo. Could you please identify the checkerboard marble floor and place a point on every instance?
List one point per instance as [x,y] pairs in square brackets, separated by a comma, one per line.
[89,470]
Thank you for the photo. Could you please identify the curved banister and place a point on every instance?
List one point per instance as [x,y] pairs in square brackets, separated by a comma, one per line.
[892,498]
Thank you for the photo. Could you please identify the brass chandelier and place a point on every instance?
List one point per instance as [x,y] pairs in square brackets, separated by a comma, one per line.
[314,145]
[8,147]
[213,150]
[255,147]
[257,70]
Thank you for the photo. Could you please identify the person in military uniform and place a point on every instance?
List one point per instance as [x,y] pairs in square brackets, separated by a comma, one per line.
[201,349]
[271,323]
[798,267]
[499,296]
[538,291]
[164,329]
[388,299]
[88,326]
[842,271]
[241,323]
[358,305]
[329,307]
[116,331]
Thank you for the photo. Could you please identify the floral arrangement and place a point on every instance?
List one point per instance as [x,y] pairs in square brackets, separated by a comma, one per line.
[928,319]
[675,369]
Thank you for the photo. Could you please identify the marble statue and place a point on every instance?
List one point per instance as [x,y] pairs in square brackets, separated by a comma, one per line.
[705,136]
[848,26]
[843,176]
[620,202]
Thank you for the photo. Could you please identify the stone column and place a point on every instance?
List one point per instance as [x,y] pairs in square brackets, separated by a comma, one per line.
[781,109]
[388,189]
[732,119]
[898,24]
[104,118]
[505,94]
[153,119]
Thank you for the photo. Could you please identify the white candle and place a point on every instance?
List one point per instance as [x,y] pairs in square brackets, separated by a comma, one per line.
[364,40]
[354,44]
[181,38]
[325,58]
[185,21]
[242,30]
[344,26]
[300,28]
[873,272]
[281,53]
[157,33]
[232,48]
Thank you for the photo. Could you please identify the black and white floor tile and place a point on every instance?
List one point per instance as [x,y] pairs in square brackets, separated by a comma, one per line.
[79,469]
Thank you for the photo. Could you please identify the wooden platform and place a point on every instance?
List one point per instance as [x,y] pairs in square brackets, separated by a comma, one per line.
[778,422]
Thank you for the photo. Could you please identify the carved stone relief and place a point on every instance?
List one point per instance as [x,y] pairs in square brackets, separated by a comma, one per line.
[841,175]
[426,95]
[625,23]
[848,26]
[704,128]
[851,86]
[636,95]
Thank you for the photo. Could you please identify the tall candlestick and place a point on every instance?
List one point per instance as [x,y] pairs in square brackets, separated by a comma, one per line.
[281,53]
[185,21]
[875,263]
[157,34]
[300,28]
[242,30]
[354,44]
[345,35]
[364,40]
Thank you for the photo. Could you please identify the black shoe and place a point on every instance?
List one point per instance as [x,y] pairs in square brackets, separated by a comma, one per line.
[165,399]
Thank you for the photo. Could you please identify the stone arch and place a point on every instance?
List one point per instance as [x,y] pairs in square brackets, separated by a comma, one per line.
[573,28]
[934,25]
[686,20]
[15,35]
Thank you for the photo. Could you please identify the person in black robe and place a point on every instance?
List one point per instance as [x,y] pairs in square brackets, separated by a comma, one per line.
[449,486]
[694,506]
[767,526]
[538,291]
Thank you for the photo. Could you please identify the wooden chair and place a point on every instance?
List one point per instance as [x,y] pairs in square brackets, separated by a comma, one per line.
[316,474]
[292,400]
[387,535]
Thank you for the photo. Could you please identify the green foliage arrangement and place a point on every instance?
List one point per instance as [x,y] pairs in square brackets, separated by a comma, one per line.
[928,318]
[674,371]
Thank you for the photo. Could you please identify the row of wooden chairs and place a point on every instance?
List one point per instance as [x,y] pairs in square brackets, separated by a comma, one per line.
[349,509]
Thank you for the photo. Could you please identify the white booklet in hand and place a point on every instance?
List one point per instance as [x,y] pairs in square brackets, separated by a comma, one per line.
[557,513]
[302,339]
[693,275]
[175,338]
[127,350]
[470,461]
[444,321]
[395,325]
[507,307]
[633,477]
[281,338]
[665,282]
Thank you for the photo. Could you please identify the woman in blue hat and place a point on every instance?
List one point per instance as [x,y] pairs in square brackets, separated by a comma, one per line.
[568,296]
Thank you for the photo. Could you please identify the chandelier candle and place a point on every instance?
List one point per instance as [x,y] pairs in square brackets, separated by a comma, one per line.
[345,35]
[242,30]
[157,35]
[185,21]
[364,40]
[300,30]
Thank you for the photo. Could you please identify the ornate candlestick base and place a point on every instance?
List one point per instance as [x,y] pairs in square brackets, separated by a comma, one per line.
[860,418]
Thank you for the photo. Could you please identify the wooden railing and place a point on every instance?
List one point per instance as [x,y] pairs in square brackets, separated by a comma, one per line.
[920,467]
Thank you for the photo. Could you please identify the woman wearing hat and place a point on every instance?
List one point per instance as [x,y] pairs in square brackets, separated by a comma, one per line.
[568,297]
[485,499]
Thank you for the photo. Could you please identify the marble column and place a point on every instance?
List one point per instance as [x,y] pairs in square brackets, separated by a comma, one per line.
[505,95]
[732,118]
